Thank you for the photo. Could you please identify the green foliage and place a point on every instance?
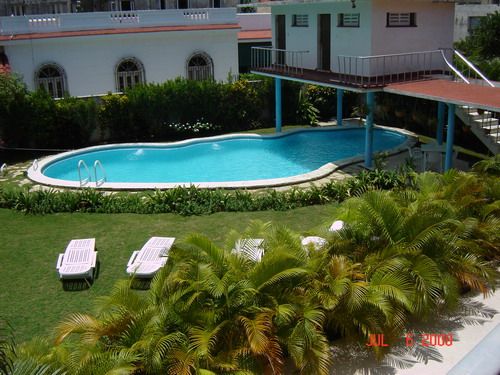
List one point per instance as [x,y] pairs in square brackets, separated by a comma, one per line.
[175,109]
[34,119]
[307,113]
[6,346]
[401,258]
[485,38]
[322,98]
[482,46]
[191,200]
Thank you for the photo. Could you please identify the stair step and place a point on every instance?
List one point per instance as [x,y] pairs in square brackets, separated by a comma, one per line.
[489,122]
[493,131]
[476,115]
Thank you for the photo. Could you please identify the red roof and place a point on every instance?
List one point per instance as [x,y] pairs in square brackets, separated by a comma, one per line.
[154,29]
[450,92]
[255,34]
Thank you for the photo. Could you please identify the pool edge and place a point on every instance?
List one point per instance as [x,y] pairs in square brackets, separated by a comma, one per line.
[34,172]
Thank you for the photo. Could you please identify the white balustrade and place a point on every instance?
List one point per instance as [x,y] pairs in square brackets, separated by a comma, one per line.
[111,20]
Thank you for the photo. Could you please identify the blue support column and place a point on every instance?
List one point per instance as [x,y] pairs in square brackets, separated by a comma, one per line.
[277,92]
[440,126]
[370,102]
[340,95]
[450,134]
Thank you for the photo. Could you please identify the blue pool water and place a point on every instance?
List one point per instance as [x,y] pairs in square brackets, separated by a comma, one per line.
[237,159]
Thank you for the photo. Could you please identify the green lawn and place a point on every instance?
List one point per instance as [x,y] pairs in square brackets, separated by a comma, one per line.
[32,298]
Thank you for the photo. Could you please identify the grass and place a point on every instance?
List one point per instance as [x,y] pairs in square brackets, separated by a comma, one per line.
[33,300]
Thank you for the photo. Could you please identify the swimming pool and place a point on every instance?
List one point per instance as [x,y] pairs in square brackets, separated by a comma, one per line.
[223,161]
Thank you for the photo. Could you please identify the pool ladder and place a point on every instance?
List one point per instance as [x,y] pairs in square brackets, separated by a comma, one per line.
[84,181]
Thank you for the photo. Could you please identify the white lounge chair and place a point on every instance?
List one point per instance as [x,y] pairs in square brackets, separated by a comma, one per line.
[78,261]
[146,262]
[317,242]
[336,226]
[250,247]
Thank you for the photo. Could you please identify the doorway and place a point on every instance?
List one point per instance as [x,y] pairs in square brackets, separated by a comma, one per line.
[324,41]
[280,38]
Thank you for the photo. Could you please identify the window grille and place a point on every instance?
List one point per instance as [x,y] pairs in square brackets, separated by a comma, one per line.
[129,73]
[401,19]
[200,67]
[348,20]
[300,20]
[50,78]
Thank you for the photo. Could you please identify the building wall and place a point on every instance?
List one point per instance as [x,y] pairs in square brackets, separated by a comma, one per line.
[434,30]
[89,62]
[463,13]
[434,27]
[344,41]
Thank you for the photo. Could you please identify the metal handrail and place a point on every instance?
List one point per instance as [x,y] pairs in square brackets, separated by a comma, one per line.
[379,70]
[476,70]
[83,181]
[34,165]
[278,59]
[455,70]
[99,182]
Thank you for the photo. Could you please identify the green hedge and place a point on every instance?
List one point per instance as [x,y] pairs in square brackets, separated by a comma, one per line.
[194,201]
[172,110]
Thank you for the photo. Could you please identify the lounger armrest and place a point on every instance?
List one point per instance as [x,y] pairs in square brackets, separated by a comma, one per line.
[132,258]
[94,259]
[59,261]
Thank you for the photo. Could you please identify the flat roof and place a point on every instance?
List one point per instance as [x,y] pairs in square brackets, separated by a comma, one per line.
[251,35]
[152,29]
[484,97]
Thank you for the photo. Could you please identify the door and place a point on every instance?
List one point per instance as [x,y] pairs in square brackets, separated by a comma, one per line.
[280,38]
[324,41]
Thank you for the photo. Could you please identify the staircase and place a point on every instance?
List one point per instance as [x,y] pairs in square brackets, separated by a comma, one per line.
[484,124]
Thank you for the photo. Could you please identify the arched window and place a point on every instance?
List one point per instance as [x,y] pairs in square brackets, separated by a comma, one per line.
[129,72]
[51,78]
[200,67]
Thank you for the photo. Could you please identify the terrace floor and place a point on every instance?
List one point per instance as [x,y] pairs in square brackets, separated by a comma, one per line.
[342,80]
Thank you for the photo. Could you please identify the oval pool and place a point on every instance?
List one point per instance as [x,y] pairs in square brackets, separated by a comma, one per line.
[225,161]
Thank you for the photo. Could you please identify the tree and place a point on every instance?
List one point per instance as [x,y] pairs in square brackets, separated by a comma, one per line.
[483,45]
[484,42]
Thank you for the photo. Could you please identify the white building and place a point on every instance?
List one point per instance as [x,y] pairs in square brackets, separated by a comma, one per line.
[95,53]
[468,15]
[336,35]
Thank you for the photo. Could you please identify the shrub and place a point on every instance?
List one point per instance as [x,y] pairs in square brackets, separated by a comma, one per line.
[194,201]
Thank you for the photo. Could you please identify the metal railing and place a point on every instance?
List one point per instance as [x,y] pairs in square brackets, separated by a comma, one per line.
[280,60]
[467,72]
[487,121]
[85,180]
[384,69]
[99,181]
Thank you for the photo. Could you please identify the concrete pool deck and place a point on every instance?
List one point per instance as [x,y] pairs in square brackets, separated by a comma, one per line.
[468,330]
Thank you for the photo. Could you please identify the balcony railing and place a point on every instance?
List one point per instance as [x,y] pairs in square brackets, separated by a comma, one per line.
[384,69]
[359,71]
[278,60]
[113,20]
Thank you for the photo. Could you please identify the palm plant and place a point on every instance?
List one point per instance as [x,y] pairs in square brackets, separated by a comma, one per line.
[412,256]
